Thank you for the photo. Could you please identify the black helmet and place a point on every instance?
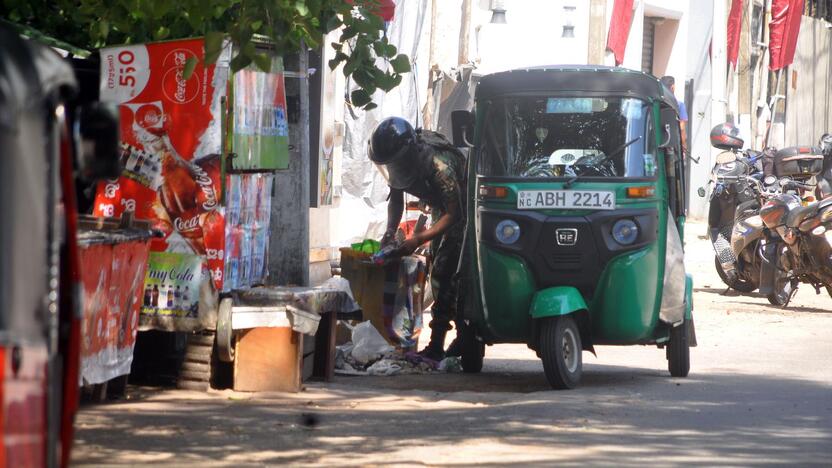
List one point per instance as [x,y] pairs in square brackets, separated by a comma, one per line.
[726,136]
[395,150]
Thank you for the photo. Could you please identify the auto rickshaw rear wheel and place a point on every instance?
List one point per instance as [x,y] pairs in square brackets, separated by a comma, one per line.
[678,351]
[560,349]
[473,350]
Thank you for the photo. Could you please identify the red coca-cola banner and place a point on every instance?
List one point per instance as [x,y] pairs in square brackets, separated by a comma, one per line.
[734,29]
[113,275]
[622,19]
[784,29]
[171,144]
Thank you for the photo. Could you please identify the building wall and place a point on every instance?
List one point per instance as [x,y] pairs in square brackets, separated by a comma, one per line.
[809,94]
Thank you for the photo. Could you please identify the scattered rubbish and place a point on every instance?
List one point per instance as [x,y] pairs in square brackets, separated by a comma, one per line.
[370,354]
[450,364]
[369,345]
[384,367]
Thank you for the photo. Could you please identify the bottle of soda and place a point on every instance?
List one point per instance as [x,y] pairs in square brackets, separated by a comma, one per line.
[154,300]
[177,298]
[169,303]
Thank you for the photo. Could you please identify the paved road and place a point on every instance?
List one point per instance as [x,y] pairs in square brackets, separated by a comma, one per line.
[760,391]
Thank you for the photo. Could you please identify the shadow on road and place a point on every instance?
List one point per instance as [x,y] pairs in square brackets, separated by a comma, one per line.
[644,411]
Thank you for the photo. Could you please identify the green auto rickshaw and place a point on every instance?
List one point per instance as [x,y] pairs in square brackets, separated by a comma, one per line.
[576,211]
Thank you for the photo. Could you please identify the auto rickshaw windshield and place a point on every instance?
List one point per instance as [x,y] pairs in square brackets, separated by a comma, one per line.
[547,136]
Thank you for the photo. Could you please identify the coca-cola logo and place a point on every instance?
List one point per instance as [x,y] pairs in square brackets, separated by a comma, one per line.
[176,88]
[186,225]
[207,187]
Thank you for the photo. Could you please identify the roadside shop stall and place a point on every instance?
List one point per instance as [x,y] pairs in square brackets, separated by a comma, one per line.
[201,149]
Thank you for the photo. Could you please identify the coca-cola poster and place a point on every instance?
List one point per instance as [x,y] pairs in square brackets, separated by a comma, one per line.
[171,133]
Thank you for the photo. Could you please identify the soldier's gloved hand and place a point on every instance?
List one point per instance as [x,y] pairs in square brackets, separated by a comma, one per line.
[408,246]
[388,238]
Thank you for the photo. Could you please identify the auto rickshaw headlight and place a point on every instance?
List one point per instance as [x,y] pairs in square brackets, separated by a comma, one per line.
[508,231]
[625,231]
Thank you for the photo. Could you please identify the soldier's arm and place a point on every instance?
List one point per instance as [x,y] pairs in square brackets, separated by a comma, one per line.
[395,209]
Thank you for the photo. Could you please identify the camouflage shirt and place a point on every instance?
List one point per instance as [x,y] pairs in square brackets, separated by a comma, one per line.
[443,185]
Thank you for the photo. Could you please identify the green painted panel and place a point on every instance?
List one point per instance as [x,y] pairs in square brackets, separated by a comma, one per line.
[625,308]
[508,291]
[560,300]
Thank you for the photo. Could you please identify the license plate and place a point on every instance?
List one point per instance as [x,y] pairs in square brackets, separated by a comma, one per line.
[566,199]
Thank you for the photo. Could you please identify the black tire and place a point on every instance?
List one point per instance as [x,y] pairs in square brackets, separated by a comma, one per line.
[200,386]
[678,350]
[198,354]
[201,339]
[783,290]
[741,285]
[196,367]
[473,350]
[560,348]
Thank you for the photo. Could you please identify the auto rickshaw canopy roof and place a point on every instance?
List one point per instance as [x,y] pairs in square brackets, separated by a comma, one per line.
[576,79]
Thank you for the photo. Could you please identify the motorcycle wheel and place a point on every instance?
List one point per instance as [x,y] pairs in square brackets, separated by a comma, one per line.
[782,291]
[741,285]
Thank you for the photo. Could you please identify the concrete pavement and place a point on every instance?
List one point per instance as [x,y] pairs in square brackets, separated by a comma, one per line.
[759,392]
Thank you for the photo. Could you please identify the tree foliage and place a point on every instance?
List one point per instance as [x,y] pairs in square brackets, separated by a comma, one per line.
[363,47]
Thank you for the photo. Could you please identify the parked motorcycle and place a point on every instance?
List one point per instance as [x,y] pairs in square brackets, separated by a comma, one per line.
[733,200]
[797,247]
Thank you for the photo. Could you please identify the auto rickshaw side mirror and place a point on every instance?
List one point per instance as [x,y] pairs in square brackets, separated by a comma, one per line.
[462,124]
[99,156]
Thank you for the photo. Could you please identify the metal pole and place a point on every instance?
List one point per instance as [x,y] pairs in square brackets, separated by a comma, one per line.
[464,29]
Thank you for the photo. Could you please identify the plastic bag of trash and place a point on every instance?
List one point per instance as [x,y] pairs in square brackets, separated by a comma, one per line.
[450,364]
[368,344]
[384,367]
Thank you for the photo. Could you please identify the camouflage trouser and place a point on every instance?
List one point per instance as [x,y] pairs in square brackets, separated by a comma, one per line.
[446,251]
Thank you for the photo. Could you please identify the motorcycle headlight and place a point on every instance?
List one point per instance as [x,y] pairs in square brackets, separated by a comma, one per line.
[508,232]
[818,231]
[625,231]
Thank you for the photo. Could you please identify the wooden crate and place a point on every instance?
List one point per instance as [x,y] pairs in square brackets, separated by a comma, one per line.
[269,359]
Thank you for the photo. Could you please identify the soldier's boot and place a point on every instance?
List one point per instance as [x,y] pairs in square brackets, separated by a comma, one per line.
[435,350]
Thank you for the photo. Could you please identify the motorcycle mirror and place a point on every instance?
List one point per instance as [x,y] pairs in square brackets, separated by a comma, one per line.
[701,192]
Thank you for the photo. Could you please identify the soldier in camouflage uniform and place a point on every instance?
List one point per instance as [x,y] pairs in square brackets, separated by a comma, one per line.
[426,165]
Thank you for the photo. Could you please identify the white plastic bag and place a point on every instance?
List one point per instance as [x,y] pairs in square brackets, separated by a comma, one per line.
[384,367]
[368,343]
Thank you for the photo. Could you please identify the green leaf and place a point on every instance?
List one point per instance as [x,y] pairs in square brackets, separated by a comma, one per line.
[161,33]
[190,65]
[301,8]
[359,98]
[263,62]
[103,28]
[370,106]
[213,46]
[400,64]
[255,25]
[238,62]
[390,51]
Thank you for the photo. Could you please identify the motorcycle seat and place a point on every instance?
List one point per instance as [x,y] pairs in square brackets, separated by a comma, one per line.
[797,215]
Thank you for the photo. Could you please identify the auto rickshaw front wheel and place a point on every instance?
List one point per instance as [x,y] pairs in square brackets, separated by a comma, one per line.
[678,350]
[560,350]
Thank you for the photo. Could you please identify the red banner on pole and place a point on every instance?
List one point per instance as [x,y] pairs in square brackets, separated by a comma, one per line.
[734,29]
[784,29]
[622,19]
